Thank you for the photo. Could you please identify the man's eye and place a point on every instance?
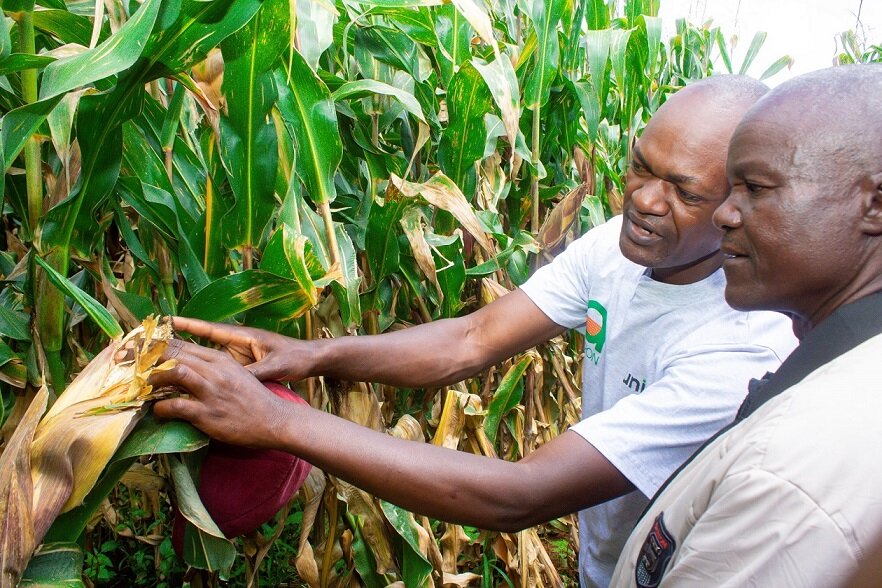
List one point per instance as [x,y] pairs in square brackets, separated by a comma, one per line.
[637,167]
[753,188]
[689,197]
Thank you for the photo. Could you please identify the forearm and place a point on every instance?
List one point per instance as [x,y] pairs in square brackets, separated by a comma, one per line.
[437,353]
[432,354]
[441,483]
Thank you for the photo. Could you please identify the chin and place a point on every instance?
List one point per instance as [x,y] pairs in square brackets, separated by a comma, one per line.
[637,254]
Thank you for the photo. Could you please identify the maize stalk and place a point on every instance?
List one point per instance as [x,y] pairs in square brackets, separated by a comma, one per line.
[49,467]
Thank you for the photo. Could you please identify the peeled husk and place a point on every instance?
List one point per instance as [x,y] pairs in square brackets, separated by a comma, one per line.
[49,467]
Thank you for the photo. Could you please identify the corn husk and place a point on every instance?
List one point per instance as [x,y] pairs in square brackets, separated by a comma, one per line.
[50,467]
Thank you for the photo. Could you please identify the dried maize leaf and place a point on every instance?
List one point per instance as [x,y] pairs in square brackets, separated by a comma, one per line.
[83,429]
[408,428]
[17,540]
[562,217]
[373,525]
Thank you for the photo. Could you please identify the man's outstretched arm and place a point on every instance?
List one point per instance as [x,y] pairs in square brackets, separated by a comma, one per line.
[432,354]
[229,404]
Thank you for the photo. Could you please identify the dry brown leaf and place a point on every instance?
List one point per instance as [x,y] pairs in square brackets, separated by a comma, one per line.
[408,428]
[373,524]
[442,192]
[17,536]
[412,223]
[453,542]
[491,290]
[359,405]
[460,580]
[562,217]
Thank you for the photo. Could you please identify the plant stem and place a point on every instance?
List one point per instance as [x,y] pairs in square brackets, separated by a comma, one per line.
[33,164]
[329,232]
[534,180]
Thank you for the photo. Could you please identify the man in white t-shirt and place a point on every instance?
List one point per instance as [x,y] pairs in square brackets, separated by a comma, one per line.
[667,361]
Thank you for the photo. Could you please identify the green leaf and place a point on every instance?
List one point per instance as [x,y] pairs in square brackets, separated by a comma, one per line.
[14,324]
[780,63]
[462,143]
[360,88]
[20,61]
[114,55]
[545,17]
[391,47]
[308,111]
[19,124]
[454,36]
[416,571]
[93,308]
[55,565]
[499,75]
[755,45]
[197,28]
[151,437]
[230,295]
[248,145]
[68,27]
[205,546]
[506,397]
[381,239]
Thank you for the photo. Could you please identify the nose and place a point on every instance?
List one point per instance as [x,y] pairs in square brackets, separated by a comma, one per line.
[727,216]
[649,198]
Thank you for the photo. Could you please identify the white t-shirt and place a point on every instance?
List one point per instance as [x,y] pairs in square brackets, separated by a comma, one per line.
[665,367]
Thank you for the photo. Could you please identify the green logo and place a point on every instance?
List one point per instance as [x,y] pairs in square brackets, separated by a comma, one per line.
[595,325]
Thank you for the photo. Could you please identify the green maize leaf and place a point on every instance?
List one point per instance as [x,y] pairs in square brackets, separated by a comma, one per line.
[308,111]
[617,51]
[480,21]
[66,26]
[92,307]
[454,40]
[758,39]
[724,51]
[361,88]
[346,288]
[248,145]
[55,565]
[416,571]
[7,354]
[653,26]
[450,271]
[197,28]
[506,397]
[780,63]
[362,556]
[18,5]
[239,292]
[132,242]
[537,85]
[315,29]
[289,255]
[114,55]
[415,23]
[499,75]
[597,15]
[14,324]
[21,61]
[392,47]
[598,44]
[19,124]
[462,143]
[381,240]
[400,3]
[205,546]
[5,42]
[151,437]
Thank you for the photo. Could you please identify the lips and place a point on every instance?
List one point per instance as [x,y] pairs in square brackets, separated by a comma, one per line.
[639,231]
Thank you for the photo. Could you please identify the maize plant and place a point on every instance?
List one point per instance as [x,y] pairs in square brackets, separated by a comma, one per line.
[321,169]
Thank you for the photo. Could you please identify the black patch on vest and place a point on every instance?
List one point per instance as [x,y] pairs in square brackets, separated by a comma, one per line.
[655,554]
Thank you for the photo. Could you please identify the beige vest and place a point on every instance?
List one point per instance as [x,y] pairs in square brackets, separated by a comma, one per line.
[790,497]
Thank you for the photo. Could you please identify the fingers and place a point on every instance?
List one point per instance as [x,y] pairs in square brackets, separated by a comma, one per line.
[217,332]
[178,348]
[186,374]
[176,408]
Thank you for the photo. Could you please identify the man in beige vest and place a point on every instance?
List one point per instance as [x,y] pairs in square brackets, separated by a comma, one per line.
[790,495]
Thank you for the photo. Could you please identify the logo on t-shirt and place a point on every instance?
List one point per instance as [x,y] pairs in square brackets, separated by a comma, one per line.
[595,329]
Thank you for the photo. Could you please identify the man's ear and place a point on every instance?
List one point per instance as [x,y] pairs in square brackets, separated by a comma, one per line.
[871,221]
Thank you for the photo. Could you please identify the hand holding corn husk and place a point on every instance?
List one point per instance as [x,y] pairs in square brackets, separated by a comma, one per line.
[51,464]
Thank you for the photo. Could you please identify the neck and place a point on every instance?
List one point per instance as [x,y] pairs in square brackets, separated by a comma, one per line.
[691,272]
